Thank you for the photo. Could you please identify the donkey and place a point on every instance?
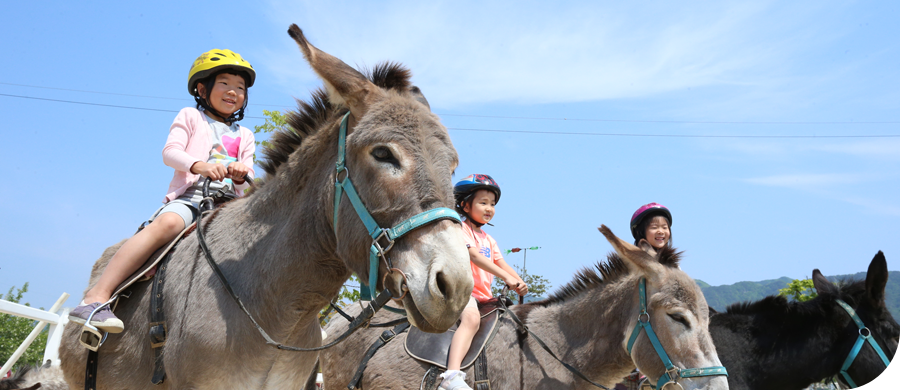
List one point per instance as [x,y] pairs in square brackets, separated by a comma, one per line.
[44,377]
[285,252]
[587,323]
[776,344]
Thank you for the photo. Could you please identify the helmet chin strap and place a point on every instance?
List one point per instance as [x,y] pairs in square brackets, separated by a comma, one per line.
[208,107]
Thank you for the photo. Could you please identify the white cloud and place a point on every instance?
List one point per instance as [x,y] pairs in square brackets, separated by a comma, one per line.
[810,181]
[466,53]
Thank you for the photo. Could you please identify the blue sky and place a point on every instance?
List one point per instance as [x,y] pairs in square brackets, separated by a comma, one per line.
[649,102]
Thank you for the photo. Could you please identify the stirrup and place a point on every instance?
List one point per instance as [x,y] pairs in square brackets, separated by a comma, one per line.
[91,337]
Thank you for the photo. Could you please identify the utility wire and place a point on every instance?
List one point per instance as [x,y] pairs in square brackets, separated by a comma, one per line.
[507,131]
[529,118]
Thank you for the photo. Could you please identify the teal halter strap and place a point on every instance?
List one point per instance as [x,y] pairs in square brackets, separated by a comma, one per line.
[382,238]
[860,341]
[672,373]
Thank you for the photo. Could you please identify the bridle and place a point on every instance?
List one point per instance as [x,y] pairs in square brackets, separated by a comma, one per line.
[382,242]
[672,374]
[864,335]
[382,238]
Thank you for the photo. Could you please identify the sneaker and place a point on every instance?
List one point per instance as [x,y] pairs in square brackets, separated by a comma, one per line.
[454,380]
[104,319]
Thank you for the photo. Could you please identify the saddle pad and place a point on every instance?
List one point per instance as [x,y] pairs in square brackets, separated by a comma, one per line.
[434,348]
[154,259]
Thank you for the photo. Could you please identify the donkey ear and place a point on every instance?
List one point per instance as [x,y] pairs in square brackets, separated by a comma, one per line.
[823,285]
[633,256]
[417,94]
[876,279]
[345,85]
[646,247]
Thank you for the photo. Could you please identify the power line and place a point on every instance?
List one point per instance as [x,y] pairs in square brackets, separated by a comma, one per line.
[527,117]
[672,135]
[504,131]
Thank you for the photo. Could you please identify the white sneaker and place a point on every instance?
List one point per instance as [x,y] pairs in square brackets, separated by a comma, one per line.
[454,380]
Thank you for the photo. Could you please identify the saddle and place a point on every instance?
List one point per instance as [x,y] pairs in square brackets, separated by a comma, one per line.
[434,348]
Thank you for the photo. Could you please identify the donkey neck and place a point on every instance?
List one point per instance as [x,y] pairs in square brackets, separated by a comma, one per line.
[591,328]
[283,238]
[792,343]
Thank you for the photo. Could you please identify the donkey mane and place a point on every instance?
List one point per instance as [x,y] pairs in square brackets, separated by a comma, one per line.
[603,272]
[850,291]
[312,115]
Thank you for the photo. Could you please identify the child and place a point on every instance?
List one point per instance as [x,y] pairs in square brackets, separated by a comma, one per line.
[203,142]
[651,222]
[476,196]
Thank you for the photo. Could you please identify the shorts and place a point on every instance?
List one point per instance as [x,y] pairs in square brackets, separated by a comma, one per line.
[473,303]
[187,212]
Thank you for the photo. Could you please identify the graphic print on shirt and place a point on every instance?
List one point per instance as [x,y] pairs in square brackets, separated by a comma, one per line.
[232,145]
[486,251]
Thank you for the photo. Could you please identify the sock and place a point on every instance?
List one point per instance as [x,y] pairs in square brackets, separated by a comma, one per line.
[450,374]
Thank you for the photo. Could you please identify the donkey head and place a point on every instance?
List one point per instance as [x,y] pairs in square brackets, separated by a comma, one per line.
[677,311]
[400,160]
[868,302]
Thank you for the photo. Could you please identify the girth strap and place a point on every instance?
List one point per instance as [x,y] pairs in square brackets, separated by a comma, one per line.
[482,382]
[158,322]
[385,337]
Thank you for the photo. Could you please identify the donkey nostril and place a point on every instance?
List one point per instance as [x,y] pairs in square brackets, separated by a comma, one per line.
[441,280]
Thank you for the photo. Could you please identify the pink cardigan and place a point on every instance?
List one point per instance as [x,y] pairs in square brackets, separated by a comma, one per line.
[189,142]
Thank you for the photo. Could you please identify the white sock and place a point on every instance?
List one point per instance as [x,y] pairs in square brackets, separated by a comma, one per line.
[82,303]
[450,374]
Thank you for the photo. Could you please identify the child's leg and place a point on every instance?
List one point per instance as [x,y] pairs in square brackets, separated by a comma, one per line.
[470,321]
[133,253]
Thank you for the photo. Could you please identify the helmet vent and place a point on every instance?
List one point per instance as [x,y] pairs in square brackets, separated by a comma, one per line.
[214,59]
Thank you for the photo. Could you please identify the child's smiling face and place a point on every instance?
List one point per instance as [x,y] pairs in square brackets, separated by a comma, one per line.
[481,206]
[657,233]
[227,94]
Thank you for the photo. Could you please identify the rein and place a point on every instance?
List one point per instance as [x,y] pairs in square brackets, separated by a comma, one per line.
[860,341]
[672,373]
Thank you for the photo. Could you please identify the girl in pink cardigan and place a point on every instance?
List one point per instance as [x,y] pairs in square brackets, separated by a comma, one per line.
[203,142]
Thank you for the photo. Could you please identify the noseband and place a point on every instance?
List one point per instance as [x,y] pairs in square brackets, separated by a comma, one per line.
[864,335]
[672,373]
[382,238]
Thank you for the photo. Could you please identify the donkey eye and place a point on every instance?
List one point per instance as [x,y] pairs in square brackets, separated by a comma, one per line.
[383,154]
[680,319]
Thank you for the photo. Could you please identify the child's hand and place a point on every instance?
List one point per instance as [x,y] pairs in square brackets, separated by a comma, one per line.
[213,171]
[237,171]
[521,288]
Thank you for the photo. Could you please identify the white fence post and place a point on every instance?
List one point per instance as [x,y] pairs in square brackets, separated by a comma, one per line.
[43,318]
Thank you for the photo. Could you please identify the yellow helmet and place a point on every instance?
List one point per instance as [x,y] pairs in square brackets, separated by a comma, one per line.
[214,61]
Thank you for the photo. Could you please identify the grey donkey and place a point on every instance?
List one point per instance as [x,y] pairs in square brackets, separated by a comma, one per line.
[587,323]
[279,249]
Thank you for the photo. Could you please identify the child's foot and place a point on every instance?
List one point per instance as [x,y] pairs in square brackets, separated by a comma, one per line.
[454,380]
[104,319]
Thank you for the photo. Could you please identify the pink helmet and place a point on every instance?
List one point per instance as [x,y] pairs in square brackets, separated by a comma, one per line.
[647,210]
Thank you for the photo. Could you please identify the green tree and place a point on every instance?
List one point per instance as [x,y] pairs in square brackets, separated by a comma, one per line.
[799,290]
[537,285]
[14,330]
[275,120]
[349,294]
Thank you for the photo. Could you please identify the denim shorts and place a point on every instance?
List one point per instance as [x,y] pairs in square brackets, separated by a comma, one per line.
[187,212]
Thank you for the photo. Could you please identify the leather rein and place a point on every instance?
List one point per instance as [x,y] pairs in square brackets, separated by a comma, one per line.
[382,242]
[672,373]
[864,335]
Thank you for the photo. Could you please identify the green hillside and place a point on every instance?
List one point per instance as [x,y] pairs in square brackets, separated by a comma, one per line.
[719,297]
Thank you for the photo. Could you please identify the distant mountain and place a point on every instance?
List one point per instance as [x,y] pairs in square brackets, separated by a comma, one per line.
[720,297]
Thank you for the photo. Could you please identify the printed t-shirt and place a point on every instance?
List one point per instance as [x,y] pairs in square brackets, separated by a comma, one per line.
[226,142]
[487,247]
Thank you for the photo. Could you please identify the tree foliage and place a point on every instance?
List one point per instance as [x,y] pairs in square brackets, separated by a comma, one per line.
[275,120]
[349,294]
[14,330]
[537,285]
[799,290]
